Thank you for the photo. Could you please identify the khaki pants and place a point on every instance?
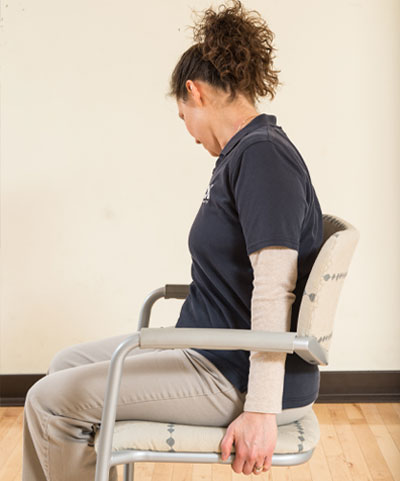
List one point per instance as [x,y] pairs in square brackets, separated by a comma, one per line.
[63,410]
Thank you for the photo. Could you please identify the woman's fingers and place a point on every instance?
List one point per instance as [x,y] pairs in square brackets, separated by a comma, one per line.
[261,462]
[226,444]
[267,463]
[255,438]
[246,463]
[240,464]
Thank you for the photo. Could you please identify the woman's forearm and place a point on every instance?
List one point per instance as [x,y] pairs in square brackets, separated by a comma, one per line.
[275,276]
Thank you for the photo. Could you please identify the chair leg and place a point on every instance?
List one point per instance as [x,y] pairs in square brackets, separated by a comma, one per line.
[128,472]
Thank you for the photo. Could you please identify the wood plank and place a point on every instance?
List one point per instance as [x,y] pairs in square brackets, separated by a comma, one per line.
[372,454]
[11,411]
[11,451]
[319,466]
[10,442]
[5,426]
[144,471]
[354,412]
[396,407]
[329,438]
[391,420]
[221,472]
[201,472]
[162,472]
[331,446]
[352,454]
[281,473]
[18,476]
[182,472]
[387,446]
[301,472]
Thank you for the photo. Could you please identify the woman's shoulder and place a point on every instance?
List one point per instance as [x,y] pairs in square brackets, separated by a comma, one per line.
[268,137]
[268,149]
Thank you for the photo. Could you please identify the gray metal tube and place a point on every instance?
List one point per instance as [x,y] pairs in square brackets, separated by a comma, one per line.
[310,350]
[110,406]
[169,291]
[145,311]
[129,470]
[134,456]
[307,347]
[213,338]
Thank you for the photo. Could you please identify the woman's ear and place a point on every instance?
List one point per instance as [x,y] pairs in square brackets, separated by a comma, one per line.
[196,92]
[189,84]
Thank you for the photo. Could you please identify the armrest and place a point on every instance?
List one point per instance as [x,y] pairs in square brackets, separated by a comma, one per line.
[169,291]
[176,291]
[227,339]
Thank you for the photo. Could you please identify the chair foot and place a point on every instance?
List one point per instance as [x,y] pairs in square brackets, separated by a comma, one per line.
[128,472]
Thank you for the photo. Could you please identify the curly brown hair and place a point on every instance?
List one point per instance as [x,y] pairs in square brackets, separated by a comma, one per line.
[233,52]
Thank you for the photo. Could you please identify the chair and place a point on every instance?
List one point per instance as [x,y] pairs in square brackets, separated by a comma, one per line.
[127,442]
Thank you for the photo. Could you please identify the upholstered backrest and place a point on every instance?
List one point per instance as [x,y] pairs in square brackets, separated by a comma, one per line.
[322,290]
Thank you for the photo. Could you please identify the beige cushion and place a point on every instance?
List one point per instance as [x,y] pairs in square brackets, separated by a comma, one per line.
[322,290]
[299,436]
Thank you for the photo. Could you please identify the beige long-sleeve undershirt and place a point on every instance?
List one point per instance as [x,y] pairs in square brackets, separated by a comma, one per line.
[275,276]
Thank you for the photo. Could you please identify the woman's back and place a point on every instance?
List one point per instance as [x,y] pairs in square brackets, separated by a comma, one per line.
[260,194]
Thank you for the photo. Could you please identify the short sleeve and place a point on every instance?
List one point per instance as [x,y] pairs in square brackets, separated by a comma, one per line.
[269,189]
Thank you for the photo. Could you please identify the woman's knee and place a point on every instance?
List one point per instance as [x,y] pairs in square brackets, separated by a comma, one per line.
[38,395]
[62,360]
[57,394]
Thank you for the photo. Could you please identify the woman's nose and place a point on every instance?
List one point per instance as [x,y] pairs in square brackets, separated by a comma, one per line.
[198,141]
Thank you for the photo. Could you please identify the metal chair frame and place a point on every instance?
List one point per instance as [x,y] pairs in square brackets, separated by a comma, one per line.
[307,347]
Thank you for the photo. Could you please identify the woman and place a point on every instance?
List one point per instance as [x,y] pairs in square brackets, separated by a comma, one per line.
[253,243]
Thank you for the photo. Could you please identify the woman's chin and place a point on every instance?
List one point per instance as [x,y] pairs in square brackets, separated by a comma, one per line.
[213,154]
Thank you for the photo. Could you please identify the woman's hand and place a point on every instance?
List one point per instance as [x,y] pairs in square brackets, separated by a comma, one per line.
[254,435]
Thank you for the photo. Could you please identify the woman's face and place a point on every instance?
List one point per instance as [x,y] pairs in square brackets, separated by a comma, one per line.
[198,125]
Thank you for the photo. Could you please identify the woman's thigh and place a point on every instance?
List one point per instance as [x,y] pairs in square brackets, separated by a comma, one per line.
[102,350]
[90,352]
[165,385]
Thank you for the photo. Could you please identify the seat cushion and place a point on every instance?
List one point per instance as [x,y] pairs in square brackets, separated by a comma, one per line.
[296,437]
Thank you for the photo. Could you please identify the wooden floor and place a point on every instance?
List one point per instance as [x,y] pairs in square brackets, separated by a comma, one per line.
[358,442]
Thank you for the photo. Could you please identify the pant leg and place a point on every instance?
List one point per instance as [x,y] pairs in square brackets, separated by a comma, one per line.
[102,350]
[45,422]
[63,410]
[89,352]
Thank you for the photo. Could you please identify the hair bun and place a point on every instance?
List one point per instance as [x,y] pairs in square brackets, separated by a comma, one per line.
[238,43]
[233,52]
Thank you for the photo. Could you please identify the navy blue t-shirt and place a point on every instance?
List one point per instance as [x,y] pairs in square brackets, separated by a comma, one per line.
[260,194]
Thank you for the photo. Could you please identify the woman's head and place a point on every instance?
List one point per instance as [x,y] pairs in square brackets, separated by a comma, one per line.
[219,79]
[232,53]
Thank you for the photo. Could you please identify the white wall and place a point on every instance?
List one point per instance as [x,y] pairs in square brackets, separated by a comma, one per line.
[100,181]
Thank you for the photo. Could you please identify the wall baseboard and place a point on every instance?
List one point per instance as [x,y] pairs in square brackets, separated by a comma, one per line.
[13,388]
[335,387]
[359,387]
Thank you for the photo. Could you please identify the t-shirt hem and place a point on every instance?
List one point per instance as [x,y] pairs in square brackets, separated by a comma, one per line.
[272,242]
[287,403]
[299,402]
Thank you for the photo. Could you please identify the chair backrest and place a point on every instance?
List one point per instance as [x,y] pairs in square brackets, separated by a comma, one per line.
[322,290]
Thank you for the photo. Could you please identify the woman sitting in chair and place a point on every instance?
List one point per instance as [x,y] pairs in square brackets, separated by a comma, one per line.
[253,242]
